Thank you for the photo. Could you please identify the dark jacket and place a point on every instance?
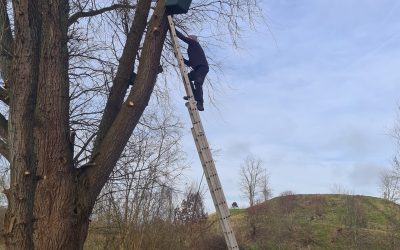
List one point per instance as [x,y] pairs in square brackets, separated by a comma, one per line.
[194,51]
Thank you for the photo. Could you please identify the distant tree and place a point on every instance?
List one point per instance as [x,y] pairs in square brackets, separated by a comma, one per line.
[252,177]
[235,205]
[265,189]
[287,193]
[355,218]
[339,189]
[390,179]
[390,182]
[191,209]
[190,220]
[390,188]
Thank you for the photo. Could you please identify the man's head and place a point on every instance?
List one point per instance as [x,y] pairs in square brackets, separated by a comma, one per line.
[193,37]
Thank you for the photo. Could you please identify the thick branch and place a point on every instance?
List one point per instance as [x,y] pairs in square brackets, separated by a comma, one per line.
[4,151]
[74,18]
[6,42]
[119,133]
[125,69]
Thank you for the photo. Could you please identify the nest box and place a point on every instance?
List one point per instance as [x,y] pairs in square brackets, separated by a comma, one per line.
[177,6]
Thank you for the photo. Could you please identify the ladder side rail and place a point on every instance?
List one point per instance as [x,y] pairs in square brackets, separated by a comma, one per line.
[206,172]
[221,206]
[211,174]
[224,222]
[209,164]
[215,190]
[205,149]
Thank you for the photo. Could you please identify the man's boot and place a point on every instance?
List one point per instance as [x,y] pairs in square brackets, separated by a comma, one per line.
[200,106]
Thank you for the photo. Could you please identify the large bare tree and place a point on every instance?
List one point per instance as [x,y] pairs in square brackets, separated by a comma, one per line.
[69,109]
[50,200]
[254,180]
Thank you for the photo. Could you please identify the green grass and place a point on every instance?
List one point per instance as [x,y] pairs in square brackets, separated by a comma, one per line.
[237,211]
[319,222]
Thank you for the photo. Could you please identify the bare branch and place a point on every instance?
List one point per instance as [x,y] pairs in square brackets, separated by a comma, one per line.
[74,18]
[4,95]
[3,128]
[4,151]
[84,147]
[6,41]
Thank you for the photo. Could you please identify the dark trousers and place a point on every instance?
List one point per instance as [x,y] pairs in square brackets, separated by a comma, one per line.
[196,77]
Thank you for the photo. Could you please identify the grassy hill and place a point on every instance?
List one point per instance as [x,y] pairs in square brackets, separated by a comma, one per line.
[318,222]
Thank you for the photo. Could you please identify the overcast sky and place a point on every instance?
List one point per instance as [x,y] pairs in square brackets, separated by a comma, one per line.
[315,97]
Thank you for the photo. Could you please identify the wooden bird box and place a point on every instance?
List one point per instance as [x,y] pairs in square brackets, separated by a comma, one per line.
[177,6]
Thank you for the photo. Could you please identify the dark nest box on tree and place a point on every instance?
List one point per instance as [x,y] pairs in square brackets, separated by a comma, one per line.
[177,6]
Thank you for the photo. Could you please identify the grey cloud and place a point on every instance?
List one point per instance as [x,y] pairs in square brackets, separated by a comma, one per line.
[365,175]
[238,149]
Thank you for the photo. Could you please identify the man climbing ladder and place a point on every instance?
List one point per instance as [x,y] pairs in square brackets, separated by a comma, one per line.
[198,62]
[204,151]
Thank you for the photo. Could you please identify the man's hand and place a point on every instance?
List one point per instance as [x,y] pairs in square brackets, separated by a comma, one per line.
[187,62]
[160,69]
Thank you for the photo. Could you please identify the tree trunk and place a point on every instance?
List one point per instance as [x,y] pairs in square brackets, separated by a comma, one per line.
[18,224]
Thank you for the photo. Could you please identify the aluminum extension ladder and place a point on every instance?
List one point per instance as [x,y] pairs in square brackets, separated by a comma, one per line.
[204,151]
